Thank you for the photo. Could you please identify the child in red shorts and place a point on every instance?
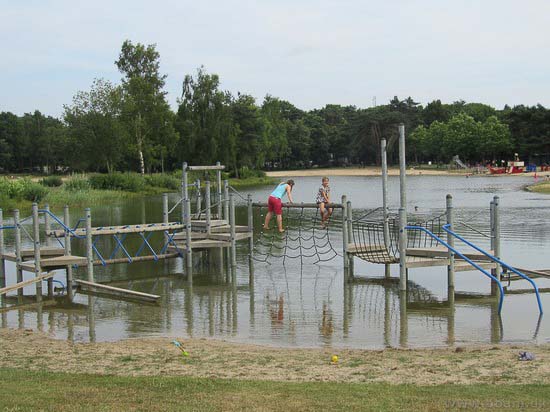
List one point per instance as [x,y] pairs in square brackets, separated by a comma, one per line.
[275,205]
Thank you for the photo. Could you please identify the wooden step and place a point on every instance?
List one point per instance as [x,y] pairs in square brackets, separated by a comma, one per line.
[27,254]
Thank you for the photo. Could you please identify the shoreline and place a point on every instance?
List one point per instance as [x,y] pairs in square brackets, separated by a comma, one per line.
[393,171]
[211,358]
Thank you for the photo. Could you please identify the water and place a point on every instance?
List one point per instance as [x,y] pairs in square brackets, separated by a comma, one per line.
[308,305]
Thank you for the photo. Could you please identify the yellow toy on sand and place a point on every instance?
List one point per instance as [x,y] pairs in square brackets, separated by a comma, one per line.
[334,359]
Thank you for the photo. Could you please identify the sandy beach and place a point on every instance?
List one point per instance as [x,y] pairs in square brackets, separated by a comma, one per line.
[212,358]
[376,171]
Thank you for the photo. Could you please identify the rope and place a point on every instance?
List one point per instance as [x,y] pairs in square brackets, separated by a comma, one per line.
[303,239]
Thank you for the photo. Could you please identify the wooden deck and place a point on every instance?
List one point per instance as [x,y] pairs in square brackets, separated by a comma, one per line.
[27,254]
[59,262]
[115,230]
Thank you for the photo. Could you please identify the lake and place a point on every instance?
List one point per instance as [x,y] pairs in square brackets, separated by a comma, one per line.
[303,302]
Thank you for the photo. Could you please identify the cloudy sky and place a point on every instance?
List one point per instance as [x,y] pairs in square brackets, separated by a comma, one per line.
[310,52]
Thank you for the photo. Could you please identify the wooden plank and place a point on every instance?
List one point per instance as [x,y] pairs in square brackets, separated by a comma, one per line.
[300,205]
[358,248]
[542,273]
[220,167]
[114,230]
[116,291]
[213,223]
[26,283]
[55,263]
[227,228]
[227,236]
[27,254]
[443,252]
[194,236]
[136,259]
[201,244]
[466,267]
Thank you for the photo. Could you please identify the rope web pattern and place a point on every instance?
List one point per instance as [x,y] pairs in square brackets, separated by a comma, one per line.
[376,244]
[304,237]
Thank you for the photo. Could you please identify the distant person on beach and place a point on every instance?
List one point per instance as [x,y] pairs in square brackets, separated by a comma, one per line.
[275,205]
[323,200]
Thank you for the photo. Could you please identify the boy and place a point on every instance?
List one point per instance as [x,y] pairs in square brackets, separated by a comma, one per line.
[323,200]
[275,205]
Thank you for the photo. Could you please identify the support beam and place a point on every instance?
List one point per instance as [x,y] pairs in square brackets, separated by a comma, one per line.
[36,242]
[68,252]
[89,245]
[451,242]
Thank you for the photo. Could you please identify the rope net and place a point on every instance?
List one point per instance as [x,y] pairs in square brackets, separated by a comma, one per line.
[305,238]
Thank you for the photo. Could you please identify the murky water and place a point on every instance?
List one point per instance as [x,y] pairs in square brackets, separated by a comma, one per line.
[303,303]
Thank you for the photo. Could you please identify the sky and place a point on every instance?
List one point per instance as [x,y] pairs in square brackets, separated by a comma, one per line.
[309,52]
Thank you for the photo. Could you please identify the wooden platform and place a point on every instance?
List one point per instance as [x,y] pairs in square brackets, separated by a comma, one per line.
[59,262]
[27,254]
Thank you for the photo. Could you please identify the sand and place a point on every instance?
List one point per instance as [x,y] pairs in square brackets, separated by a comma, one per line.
[376,171]
[221,359]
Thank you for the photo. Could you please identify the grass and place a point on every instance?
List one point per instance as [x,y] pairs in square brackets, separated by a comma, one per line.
[29,391]
[84,190]
[542,187]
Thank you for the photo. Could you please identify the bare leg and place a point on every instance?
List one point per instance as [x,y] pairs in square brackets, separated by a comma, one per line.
[322,211]
[280,223]
[267,219]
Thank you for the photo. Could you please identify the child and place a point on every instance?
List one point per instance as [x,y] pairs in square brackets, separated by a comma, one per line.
[275,205]
[323,200]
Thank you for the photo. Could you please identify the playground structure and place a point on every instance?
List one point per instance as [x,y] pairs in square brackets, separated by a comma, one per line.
[378,237]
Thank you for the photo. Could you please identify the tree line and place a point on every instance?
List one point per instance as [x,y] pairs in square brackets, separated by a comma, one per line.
[131,127]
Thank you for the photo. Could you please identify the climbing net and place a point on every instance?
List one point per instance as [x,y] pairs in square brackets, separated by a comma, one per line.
[305,238]
[376,239]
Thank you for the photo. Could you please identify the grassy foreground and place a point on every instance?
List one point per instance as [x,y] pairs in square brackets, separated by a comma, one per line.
[25,391]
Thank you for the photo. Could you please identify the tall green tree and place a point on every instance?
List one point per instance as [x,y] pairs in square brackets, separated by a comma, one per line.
[146,111]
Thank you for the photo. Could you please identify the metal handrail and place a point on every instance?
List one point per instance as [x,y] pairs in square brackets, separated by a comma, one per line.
[471,262]
[500,262]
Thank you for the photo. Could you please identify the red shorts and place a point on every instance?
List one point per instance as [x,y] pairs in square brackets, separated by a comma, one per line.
[275,205]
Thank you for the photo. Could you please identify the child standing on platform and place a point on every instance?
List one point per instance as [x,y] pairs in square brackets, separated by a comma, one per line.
[323,200]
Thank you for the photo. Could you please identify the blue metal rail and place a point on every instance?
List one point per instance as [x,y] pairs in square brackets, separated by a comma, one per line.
[497,260]
[470,261]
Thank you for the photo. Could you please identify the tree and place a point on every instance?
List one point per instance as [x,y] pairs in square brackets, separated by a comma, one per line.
[145,109]
[250,132]
[205,121]
[97,136]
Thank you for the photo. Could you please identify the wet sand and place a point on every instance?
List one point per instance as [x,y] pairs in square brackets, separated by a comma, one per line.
[221,359]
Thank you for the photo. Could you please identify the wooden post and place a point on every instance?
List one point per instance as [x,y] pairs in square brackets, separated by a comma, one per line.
[402,250]
[403,319]
[219,190]
[165,216]
[496,217]
[207,206]
[18,260]
[350,235]
[226,200]
[232,228]
[384,158]
[250,229]
[199,200]
[2,262]
[36,242]
[89,245]
[345,237]
[186,220]
[451,255]
[48,228]
[402,211]
[68,252]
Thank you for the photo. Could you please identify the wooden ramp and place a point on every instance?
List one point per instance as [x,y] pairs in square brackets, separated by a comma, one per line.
[114,291]
[26,283]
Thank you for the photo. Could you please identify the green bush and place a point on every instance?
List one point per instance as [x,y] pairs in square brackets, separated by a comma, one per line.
[52,181]
[246,173]
[131,182]
[22,189]
[77,183]
[163,180]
